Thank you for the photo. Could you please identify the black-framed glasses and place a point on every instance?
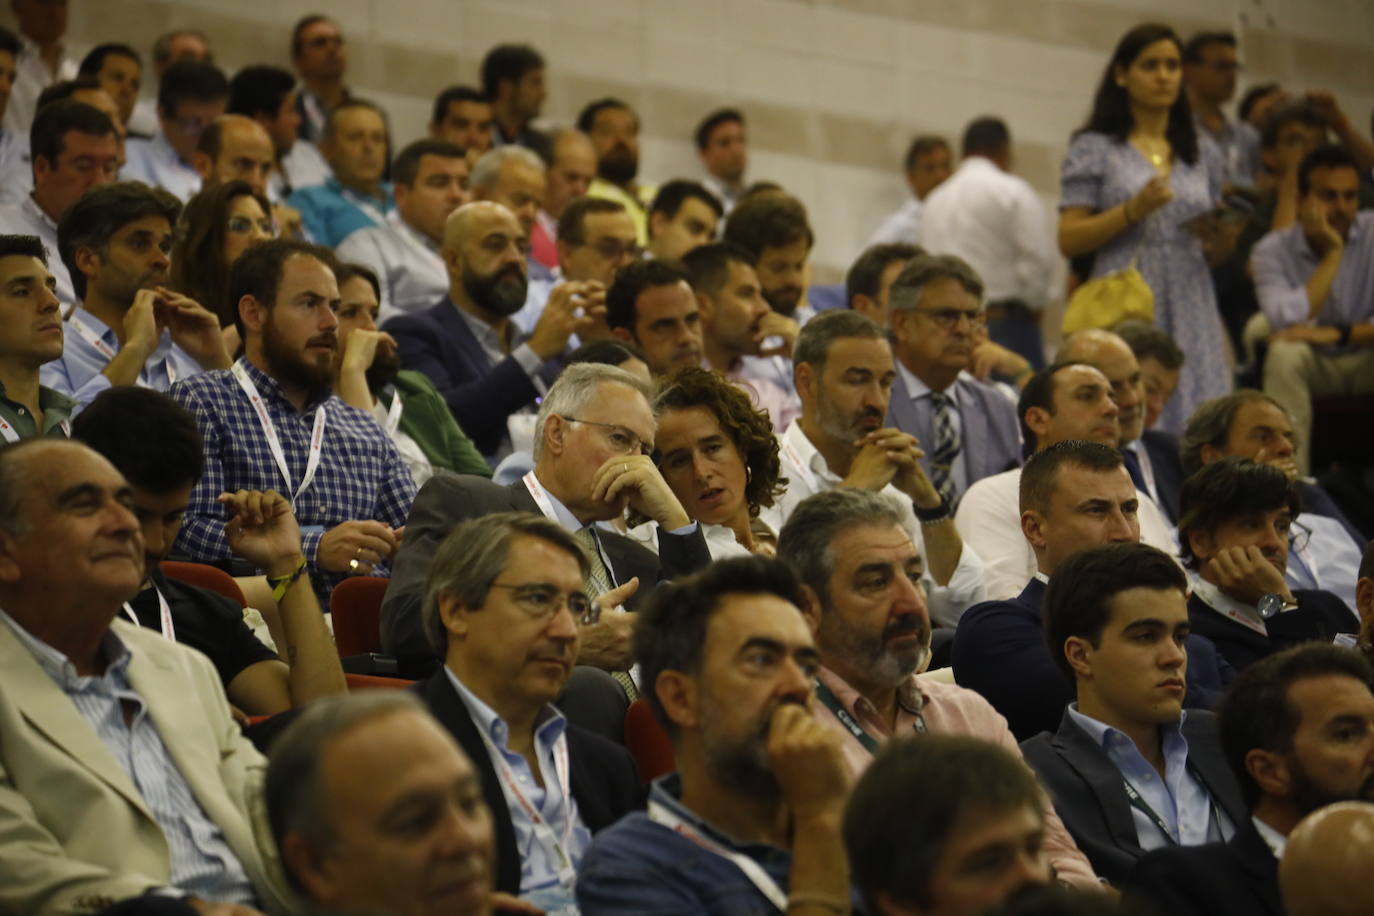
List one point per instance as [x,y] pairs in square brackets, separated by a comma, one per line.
[541,601]
[615,249]
[948,319]
[621,439]
[242,225]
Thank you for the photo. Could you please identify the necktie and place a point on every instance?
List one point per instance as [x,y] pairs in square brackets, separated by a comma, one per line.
[947,446]
[600,584]
[1132,461]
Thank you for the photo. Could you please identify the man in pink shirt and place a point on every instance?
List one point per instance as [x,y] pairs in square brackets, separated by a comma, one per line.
[862,576]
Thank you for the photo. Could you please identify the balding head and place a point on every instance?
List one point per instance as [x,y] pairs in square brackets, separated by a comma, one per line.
[571,171]
[235,147]
[1111,355]
[1327,862]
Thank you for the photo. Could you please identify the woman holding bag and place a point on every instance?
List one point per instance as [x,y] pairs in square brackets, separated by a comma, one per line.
[1135,180]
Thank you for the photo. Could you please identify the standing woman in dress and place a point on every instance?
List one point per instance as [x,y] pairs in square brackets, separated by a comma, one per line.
[1132,176]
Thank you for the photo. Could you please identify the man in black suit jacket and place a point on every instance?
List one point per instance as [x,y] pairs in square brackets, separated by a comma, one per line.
[1297,729]
[467,344]
[507,591]
[1128,770]
[1160,361]
[1235,516]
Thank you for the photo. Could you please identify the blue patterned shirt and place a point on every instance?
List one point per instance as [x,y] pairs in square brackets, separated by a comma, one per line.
[361,475]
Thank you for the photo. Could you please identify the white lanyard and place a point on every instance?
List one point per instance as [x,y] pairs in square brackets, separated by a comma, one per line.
[802,467]
[270,431]
[1242,619]
[12,435]
[543,833]
[540,497]
[88,334]
[168,630]
[660,814]
[393,415]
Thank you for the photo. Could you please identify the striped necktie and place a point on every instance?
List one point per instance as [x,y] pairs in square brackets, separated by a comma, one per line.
[947,446]
[601,583]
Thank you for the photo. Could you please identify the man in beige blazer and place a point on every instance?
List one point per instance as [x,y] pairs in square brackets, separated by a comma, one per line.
[121,770]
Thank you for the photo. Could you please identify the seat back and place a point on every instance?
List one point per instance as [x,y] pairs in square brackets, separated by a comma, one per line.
[356,605]
[647,741]
[210,578]
[372,682]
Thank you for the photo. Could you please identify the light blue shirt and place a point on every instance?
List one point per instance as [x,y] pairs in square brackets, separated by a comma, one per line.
[1180,799]
[406,261]
[1283,262]
[78,373]
[27,218]
[202,864]
[16,169]
[154,162]
[1330,561]
[538,864]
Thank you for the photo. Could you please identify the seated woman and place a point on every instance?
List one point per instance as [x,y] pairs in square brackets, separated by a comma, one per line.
[718,453]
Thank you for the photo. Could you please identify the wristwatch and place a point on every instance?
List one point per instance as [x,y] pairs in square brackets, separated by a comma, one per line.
[1273,603]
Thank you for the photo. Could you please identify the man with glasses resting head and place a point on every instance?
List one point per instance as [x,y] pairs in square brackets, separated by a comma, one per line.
[504,602]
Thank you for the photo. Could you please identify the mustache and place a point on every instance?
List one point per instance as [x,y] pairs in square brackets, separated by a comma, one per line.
[329,339]
[905,625]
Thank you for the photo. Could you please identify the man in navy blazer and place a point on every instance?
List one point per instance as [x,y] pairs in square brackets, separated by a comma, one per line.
[967,428]
[467,344]
[1074,495]
[1129,770]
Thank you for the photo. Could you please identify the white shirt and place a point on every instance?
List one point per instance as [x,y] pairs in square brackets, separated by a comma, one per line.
[302,167]
[997,223]
[807,473]
[989,518]
[406,261]
[901,226]
[16,169]
[31,77]
[27,218]
[417,462]
[154,162]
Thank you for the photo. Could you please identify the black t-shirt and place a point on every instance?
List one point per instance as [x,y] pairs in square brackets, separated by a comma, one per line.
[207,622]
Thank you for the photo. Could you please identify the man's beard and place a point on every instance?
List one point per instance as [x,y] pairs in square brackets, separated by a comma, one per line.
[783,300]
[290,367]
[383,371]
[502,292]
[871,654]
[845,428]
[1308,796]
[618,165]
[742,765]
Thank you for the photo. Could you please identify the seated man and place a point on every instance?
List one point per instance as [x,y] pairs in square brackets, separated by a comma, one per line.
[430,183]
[1128,769]
[613,127]
[1161,362]
[1060,402]
[1325,551]
[750,822]
[467,344]
[333,792]
[925,166]
[1326,862]
[16,173]
[131,328]
[683,216]
[190,95]
[945,824]
[31,335]
[1298,732]
[966,427]
[844,378]
[861,572]
[154,443]
[868,283]
[596,239]
[234,147]
[268,95]
[462,116]
[592,442]
[513,177]
[138,780]
[1074,495]
[1315,284]
[503,601]
[354,196]
[651,304]
[570,167]
[271,422]
[1234,521]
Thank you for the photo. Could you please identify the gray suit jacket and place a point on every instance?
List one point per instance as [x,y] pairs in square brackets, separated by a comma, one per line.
[991,435]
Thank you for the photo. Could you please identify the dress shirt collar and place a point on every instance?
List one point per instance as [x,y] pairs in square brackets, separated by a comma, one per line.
[487,335]
[1044,579]
[60,668]
[406,230]
[549,725]
[1223,603]
[35,212]
[1276,841]
[1172,742]
[269,387]
[563,514]
[807,453]
[909,695]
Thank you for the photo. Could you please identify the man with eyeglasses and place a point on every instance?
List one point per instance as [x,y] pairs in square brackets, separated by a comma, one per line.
[504,601]
[966,427]
[321,58]
[191,95]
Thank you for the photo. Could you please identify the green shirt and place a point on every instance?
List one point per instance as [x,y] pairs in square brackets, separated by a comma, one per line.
[57,410]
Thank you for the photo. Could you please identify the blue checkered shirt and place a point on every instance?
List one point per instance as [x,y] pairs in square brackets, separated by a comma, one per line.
[361,476]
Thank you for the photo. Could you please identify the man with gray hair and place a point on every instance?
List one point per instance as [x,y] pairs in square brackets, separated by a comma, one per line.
[862,574]
[966,427]
[514,176]
[592,441]
[503,604]
[334,790]
[844,375]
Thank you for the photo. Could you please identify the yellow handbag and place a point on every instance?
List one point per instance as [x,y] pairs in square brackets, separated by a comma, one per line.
[1111,299]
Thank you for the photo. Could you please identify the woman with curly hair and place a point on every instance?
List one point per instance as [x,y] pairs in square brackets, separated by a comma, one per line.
[718,454]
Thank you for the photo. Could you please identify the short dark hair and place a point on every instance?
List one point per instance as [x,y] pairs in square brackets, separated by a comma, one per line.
[768,221]
[671,632]
[712,121]
[406,167]
[913,796]
[508,62]
[1078,599]
[866,273]
[149,438]
[1330,156]
[906,289]
[258,271]
[1192,51]
[9,42]
[921,145]
[453,95]
[572,222]
[673,194]
[30,246]
[94,60]
[986,137]
[65,89]
[1252,97]
[813,343]
[1211,424]
[630,283]
[1227,489]
[191,80]
[1258,713]
[608,352]
[301,25]
[53,122]
[1300,111]
[708,266]
[1039,392]
[586,119]
[103,211]
[1040,475]
[1149,341]
[343,272]
[259,90]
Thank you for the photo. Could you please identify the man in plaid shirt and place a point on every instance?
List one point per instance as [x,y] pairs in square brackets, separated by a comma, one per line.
[271,423]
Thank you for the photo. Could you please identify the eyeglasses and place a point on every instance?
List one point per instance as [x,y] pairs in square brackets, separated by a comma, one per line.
[620,438]
[615,249]
[948,319]
[242,225]
[541,602]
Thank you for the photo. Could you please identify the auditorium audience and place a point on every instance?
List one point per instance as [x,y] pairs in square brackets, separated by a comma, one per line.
[868,283]
[320,56]
[571,168]
[31,336]
[650,304]
[216,226]
[462,116]
[1211,63]
[925,166]
[595,238]
[268,96]
[119,69]
[42,60]
[683,216]
[513,80]
[723,148]
[190,96]
[355,146]
[613,127]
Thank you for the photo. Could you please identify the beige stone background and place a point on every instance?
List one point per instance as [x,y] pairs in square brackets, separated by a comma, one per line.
[833,89]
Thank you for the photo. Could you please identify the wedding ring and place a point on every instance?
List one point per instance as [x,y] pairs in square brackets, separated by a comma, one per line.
[353,565]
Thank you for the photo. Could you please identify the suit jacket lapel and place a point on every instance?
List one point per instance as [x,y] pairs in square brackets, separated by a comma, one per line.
[522,500]
[457,331]
[902,412]
[1103,778]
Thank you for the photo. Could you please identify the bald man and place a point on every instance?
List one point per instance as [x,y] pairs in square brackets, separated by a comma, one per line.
[482,363]
[237,147]
[1327,862]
